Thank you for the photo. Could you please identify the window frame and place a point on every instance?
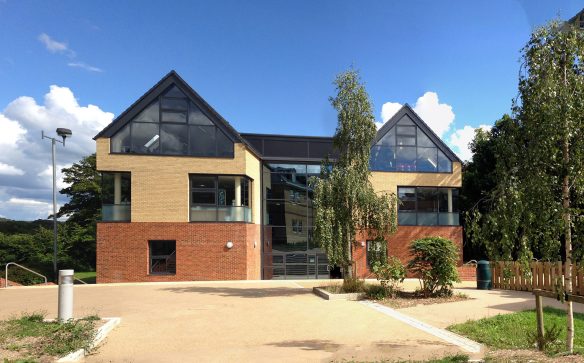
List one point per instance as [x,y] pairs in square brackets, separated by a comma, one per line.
[215,189]
[151,256]
[416,211]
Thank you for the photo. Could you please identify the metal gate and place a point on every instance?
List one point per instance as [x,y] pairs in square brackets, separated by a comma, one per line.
[291,266]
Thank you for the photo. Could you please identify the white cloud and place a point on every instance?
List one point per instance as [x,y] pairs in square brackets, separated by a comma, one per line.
[6,169]
[22,148]
[82,65]
[438,116]
[54,46]
[460,140]
[47,175]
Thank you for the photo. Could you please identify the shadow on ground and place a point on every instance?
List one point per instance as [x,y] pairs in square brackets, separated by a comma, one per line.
[309,344]
[243,291]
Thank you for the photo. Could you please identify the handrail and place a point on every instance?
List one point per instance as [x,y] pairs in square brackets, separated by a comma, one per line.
[83,282]
[22,267]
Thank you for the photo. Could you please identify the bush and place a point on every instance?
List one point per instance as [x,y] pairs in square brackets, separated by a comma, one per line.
[434,263]
[352,285]
[390,274]
[376,292]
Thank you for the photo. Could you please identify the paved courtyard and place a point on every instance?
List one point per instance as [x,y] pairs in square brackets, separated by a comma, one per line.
[258,321]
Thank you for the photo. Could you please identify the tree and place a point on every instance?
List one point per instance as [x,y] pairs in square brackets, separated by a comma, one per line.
[344,199]
[540,169]
[84,192]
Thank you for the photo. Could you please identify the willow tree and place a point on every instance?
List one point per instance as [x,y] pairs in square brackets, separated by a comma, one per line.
[344,199]
[537,204]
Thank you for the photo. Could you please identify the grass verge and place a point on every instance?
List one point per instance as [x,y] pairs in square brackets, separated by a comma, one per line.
[29,337]
[88,277]
[510,331]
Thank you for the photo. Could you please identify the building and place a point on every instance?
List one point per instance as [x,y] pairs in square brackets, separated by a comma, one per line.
[187,197]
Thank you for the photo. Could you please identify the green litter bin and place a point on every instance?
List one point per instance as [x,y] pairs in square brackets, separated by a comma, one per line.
[484,275]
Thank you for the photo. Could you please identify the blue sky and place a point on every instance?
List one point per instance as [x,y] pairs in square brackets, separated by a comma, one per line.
[266,66]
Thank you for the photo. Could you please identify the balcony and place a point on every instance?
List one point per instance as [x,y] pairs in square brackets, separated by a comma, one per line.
[220,214]
[115,212]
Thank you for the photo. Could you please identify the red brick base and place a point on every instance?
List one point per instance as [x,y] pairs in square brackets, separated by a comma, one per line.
[398,244]
[201,254]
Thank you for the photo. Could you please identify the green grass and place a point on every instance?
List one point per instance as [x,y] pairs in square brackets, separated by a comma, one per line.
[88,277]
[510,331]
[33,338]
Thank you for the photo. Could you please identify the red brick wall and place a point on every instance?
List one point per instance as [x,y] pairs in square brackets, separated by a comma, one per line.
[398,244]
[122,251]
[467,273]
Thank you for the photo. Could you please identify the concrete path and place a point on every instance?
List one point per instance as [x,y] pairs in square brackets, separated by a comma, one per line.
[268,321]
[259,321]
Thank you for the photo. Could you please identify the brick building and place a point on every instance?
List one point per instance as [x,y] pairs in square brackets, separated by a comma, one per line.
[187,197]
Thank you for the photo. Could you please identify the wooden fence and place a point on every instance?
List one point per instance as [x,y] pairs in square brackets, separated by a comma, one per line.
[544,276]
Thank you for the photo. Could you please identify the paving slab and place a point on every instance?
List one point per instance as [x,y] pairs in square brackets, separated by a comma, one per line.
[258,321]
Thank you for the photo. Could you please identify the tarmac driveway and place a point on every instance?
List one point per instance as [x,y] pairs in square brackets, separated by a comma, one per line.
[257,321]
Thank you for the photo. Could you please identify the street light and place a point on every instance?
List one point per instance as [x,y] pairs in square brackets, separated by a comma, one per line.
[64,133]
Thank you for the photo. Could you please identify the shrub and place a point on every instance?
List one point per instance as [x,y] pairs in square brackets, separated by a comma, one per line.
[376,292]
[434,263]
[390,274]
[353,285]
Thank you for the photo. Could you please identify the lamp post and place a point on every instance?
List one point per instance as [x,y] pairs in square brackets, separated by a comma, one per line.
[64,133]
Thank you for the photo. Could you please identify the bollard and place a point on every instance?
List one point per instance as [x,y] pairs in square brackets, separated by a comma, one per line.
[65,295]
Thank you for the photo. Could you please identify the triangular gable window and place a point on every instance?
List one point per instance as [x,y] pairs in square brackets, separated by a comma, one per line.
[406,148]
[172,125]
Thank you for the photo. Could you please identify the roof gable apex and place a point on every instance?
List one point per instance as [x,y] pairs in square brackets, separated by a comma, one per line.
[172,78]
[407,110]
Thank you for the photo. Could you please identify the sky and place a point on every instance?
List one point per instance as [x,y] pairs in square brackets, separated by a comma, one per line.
[265,66]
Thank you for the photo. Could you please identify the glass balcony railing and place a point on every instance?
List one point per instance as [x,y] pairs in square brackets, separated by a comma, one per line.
[115,212]
[406,218]
[220,214]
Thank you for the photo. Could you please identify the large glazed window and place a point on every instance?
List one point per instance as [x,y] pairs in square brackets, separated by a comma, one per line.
[423,206]
[172,125]
[116,196]
[220,198]
[405,147]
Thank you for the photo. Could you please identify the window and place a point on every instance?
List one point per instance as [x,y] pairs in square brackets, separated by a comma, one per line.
[376,252]
[162,257]
[423,206]
[172,125]
[220,198]
[116,196]
[405,147]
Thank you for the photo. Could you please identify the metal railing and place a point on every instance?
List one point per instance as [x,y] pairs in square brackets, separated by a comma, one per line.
[22,267]
[83,282]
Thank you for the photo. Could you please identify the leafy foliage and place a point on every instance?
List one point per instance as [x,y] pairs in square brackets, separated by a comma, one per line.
[390,274]
[434,262]
[344,199]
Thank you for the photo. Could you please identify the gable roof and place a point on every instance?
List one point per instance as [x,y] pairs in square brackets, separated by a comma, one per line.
[172,78]
[407,110]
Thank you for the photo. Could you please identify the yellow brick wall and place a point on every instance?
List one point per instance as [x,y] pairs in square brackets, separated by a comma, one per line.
[160,184]
[389,181]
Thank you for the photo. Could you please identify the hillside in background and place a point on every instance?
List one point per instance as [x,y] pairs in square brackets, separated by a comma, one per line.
[9,226]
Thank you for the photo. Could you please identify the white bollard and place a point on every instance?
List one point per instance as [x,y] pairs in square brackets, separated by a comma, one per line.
[65,295]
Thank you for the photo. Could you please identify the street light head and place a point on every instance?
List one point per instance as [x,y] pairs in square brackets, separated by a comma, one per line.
[64,133]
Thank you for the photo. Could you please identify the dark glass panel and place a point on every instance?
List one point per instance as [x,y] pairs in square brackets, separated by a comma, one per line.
[162,248]
[406,158]
[427,200]
[224,145]
[407,197]
[406,140]
[406,120]
[320,150]
[406,218]
[427,219]
[382,158]
[284,240]
[280,187]
[197,117]
[203,197]
[288,168]
[427,159]
[406,130]
[174,91]
[226,191]
[281,213]
[149,114]
[388,139]
[287,148]
[145,138]
[444,164]
[174,104]
[202,142]
[424,140]
[174,117]
[121,142]
[202,181]
[174,139]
